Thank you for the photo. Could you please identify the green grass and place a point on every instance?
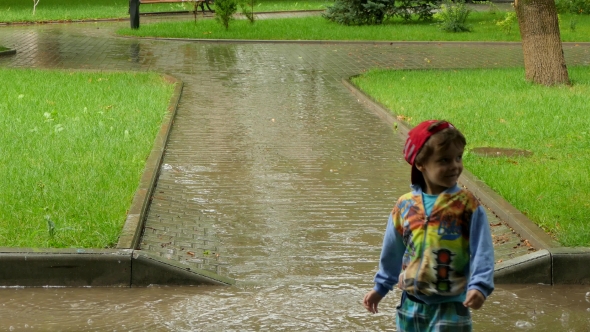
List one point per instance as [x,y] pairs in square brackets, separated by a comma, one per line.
[498,108]
[285,5]
[62,10]
[68,10]
[2,48]
[318,28]
[72,150]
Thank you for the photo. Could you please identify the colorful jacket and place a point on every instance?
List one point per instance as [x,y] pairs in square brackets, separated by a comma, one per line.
[439,257]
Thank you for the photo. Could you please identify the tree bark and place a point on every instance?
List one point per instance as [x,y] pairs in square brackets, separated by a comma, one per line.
[544,62]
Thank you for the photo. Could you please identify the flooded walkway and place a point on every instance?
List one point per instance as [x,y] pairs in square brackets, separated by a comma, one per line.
[274,175]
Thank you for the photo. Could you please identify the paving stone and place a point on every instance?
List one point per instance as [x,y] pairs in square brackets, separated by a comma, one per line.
[269,158]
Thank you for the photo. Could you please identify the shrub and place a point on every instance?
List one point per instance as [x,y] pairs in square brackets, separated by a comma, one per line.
[361,12]
[224,11]
[452,16]
[424,9]
[507,23]
[573,6]
[247,9]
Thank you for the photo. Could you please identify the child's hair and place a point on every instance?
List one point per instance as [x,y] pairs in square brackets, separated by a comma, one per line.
[444,138]
[419,146]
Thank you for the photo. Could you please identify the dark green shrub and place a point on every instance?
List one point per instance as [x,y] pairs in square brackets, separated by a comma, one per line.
[573,6]
[224,11]
[424,9]
[360,12]
[452,16]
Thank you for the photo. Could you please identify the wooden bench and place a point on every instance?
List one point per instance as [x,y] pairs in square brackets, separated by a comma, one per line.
[197,3]
[134,8]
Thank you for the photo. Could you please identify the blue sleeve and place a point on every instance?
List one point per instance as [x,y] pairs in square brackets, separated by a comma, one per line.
[482,254]
[390,262]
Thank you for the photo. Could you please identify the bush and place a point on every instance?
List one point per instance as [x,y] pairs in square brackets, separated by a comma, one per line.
[573,6]
[224,11]
[507,23]
[359,12]
[362,12]
[424,9]
[452,16]
[247,9]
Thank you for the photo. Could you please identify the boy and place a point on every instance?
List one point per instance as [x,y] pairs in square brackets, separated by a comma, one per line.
[437,246]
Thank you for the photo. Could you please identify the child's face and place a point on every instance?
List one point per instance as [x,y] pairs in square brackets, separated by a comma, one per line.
[441,170]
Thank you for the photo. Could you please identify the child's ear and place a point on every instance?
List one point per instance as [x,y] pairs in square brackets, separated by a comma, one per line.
[419,167]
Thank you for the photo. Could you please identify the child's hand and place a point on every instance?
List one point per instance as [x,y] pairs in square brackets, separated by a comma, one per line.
[371,300]
[474,300]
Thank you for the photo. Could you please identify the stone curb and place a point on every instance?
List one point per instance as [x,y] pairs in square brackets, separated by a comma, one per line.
[123,266]
[7,52]
[29,267]
[551,264]
[131,233]
[150,269]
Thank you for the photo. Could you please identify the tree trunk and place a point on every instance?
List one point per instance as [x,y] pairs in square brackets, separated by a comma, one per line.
[544,62]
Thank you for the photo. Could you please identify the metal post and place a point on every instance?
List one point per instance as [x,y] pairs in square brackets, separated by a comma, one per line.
[134,13]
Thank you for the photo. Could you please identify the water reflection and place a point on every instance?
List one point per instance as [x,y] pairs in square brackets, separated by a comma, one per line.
[134,49]
[305,306]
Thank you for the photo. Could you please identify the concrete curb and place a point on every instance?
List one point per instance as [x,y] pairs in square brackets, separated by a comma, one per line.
[150,269]
[131,233]
[28,267]
[7,52]
[123,266]
[551,264]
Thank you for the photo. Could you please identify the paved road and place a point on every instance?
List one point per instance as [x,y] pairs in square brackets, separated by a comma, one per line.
[270,158]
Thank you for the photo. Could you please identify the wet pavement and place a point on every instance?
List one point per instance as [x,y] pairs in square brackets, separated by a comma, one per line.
[270,158]
[302,307]
[274,175]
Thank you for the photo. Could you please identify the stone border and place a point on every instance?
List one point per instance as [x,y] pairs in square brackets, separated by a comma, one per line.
[124,266]
[131,233]
[551,264]
[8,52]
[27,267]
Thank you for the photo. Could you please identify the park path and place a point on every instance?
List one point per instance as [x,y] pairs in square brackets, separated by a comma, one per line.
[273,169]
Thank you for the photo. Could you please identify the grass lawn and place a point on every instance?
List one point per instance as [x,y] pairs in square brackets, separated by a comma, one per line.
[318,28]
[498,108]
[67,10]
[73,148]
[2,48]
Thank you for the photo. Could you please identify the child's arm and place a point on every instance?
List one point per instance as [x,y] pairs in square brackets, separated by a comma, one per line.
[371,301]
[390,262]
[474,299]
[481,261]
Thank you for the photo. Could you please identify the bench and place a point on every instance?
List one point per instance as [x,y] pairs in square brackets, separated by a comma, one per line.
[134,8]
[197,3]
